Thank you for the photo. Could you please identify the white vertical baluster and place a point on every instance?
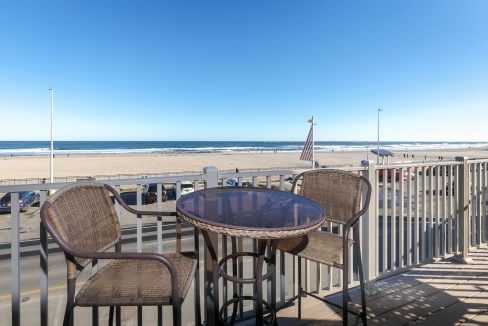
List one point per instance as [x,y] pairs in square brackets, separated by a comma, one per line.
[424,214]
[159,223]
[416,236]
[401,221]
[430,248]
[393,253]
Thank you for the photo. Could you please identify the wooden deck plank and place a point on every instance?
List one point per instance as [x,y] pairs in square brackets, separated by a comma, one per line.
[481,319]
[386,286]
[392,285]
[439,293]
[310,307]
[294,322]
[314,312]
[426,306]
[469,305]
[422,288]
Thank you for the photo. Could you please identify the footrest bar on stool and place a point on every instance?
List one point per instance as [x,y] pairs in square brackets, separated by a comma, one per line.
[270,320]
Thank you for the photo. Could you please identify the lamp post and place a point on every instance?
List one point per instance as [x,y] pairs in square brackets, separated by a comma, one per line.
[378,143]
[52,142]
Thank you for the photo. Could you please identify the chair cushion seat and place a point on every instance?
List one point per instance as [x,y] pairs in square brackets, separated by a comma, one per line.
[130,282]
[321,247]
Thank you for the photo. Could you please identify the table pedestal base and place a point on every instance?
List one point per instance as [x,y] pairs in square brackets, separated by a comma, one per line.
[256,280]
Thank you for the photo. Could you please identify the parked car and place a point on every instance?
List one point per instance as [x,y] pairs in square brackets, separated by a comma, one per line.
[405,177]
[233,182]
[150,193]
[26,200]
[186,187]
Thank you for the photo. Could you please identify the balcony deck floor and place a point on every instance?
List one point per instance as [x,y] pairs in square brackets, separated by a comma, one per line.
[439,293]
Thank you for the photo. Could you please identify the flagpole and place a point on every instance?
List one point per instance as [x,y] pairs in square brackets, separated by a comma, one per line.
[313,147]
[378,143]
[308,153]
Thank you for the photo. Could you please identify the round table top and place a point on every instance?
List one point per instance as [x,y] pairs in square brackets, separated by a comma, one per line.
[250,212]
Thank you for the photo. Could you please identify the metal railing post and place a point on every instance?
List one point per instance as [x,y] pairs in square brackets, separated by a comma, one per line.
[178,220]
[43,256]
[369,249]
[139,249]
[15,258]
[139,217]
[463,209]
[210,175]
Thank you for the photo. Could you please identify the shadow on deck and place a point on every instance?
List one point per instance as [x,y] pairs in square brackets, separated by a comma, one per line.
[440,293]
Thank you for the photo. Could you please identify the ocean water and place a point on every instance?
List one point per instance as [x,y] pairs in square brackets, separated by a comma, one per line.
[40,148]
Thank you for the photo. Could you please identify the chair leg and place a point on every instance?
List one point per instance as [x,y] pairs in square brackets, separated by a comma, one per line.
[196,284]
[361,282]
[177,314]
[111,316]
[139,315]
[345,293]
[363,294]
[118,317]
[300,288]
[94,316]
[196,281]
[68,313]
[160,315]
[272,249]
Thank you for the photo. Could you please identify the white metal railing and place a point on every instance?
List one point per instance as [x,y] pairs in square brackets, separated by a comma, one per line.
[44,188]
[415,214]
[45,245]
[422,212]
[418,212]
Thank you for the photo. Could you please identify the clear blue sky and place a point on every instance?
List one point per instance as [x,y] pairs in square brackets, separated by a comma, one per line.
[244,70]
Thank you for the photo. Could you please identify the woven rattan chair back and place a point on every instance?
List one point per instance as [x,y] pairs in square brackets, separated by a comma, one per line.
[84,216]
[345,197]
[338,191]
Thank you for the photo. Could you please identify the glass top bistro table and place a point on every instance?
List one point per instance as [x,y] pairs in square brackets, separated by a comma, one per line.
[262,214]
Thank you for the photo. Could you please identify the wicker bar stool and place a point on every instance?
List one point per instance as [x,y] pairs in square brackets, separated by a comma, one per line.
[82,220]
[345,196]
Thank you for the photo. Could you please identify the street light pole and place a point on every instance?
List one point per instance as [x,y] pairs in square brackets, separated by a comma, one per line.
[52,141]
[378,143]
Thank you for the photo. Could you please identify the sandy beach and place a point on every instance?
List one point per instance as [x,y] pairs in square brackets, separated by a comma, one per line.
[69,166]
[20,167]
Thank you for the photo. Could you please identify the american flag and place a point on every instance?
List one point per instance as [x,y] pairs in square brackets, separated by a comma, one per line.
[307,153]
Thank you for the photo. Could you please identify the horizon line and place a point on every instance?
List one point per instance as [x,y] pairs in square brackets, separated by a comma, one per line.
[262,141]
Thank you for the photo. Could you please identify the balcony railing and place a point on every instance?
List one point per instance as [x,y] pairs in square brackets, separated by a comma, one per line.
[419,212]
